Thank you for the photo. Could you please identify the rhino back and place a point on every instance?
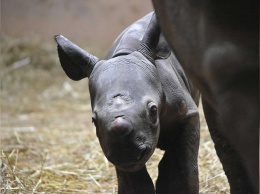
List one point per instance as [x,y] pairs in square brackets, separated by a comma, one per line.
[129,40]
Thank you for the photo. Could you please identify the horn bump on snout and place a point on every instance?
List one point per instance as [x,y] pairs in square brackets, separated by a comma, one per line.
[120,127]
[76,62]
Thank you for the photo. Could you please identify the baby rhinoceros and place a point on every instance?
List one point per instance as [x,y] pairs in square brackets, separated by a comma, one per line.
[141,100]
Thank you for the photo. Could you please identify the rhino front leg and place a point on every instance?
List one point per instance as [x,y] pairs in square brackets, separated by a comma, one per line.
[178,169]
[138,182]
[231,162]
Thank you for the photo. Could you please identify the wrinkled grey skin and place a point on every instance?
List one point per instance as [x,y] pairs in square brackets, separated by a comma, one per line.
[217,43]
[141,99]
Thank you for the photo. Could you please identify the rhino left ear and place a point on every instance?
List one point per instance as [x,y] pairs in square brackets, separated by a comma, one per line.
[76,62]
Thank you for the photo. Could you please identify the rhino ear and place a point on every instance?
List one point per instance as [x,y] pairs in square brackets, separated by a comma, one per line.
[153,45]
[150,39]
[76,62]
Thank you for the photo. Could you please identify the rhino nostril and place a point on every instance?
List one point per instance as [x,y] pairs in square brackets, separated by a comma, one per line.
[143,153]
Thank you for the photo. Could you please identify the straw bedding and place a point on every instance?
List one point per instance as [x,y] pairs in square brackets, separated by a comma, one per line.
[48,143]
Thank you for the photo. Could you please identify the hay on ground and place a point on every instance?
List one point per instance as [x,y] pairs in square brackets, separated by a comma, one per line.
[48,143]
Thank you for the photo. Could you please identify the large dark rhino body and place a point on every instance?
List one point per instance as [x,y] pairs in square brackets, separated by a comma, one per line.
[217,43]
[141,99]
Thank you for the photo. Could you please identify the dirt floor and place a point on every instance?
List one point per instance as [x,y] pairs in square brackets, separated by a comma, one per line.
[48,143]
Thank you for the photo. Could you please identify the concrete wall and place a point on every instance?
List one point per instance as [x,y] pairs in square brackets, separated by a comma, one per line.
[94,23]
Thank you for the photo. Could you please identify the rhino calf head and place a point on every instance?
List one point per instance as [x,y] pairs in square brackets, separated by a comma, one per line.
[126,98]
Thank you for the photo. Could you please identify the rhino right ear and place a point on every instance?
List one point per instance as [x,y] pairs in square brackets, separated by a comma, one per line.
[76,62]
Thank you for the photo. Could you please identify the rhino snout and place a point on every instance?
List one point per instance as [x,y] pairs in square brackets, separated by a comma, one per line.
[120,127]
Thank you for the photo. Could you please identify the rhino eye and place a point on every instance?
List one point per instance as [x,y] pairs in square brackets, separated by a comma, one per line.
[94,119]
[153,112]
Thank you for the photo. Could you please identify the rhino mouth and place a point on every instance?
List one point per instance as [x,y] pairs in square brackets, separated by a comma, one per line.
[127,162]
[131,167]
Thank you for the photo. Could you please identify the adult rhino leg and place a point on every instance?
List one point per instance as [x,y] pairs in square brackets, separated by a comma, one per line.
[178,169]
[134,182]
[234,170]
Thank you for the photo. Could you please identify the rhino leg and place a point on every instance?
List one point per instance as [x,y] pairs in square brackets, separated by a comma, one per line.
[134,182]
[178,169]
[229,158]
